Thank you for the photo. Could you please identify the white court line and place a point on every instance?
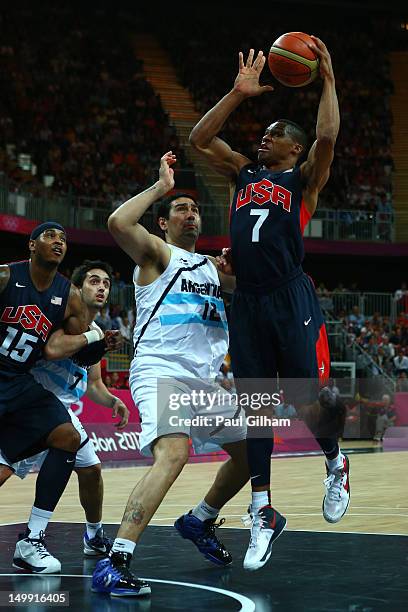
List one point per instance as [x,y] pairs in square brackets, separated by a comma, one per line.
[405,535]
[247,605]
[172,505]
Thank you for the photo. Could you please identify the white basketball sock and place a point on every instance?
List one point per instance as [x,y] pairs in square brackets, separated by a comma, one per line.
[92,528]
[122,545]
[259,500]
[39,520]
[204,511]
[335,464]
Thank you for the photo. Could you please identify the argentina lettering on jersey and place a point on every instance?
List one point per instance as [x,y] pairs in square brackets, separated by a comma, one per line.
[28,316]
[181,324]
[267,220]
[65,379]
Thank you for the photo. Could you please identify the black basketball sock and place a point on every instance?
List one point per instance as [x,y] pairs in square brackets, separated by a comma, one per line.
[259,452]
[53,478]
[329,446]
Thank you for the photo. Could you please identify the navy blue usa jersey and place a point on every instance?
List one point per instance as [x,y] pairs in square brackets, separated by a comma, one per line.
[28,316]
[267,220]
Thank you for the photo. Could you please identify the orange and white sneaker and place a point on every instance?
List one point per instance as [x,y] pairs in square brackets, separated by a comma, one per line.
[337,497]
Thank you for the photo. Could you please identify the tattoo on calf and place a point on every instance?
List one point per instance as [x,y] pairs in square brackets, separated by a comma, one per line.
[134,513]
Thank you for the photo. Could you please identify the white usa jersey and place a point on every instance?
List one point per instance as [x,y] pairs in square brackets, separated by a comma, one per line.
[65,379]
[181,324]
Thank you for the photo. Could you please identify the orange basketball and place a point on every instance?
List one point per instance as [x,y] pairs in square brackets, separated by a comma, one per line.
[291,61]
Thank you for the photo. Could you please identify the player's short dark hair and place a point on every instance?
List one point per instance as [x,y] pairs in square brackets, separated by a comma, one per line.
[80,272]
[163,209]
[296,132]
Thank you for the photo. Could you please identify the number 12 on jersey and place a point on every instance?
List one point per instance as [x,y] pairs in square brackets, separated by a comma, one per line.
[262,214]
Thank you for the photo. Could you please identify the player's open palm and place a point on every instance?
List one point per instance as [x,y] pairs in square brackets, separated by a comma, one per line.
[247,81]
[166,172]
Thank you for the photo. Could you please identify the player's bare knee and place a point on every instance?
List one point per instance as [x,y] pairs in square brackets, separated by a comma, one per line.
[65,437]
[171,452]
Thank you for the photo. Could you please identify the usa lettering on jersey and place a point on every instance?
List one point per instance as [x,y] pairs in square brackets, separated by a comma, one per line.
[29,317]
[262,192]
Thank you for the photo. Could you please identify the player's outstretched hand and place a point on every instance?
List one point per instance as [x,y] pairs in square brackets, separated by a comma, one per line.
[247,81]
[113,339]
[326,68]
[166,172]
[119,409]
[224,262]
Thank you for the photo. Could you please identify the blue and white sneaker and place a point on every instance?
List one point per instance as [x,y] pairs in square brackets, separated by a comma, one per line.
[98,545]
[202,534]
[113,576]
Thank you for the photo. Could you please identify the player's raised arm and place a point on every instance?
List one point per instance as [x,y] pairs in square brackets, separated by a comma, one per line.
[204,135]
[124,225]
[316,169]
[76,313]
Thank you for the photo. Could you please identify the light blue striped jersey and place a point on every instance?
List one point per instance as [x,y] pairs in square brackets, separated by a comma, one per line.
[65,379]
[188,333]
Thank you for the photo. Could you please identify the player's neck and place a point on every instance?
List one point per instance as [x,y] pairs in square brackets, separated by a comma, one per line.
[186,245]
[41,275]
[279,166]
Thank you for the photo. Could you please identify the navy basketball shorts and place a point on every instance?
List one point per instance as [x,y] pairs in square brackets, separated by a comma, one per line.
[280,334]
[28,414]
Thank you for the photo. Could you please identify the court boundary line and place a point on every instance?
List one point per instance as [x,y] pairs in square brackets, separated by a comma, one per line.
[240,528]
[247,605]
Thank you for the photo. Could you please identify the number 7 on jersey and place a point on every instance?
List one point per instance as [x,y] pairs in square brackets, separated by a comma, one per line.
[262,214]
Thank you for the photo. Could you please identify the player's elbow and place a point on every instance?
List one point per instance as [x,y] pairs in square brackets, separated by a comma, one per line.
[327,139]
[50,352]
[115,225]
[196,141]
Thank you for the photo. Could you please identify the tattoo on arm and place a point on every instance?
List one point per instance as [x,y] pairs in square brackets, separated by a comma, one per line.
[134,513]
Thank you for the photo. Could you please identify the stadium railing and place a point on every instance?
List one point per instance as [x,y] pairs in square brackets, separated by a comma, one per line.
[92,213]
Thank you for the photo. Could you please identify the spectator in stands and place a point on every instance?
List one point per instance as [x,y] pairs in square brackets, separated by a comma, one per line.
[125,327]
[108,381]
[356,318]
[386,349]
[340,288]
[386,417]
[400,362]
[402,382]
[116,384]
[401,296]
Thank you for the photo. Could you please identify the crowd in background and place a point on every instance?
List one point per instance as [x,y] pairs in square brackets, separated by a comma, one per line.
[76,103]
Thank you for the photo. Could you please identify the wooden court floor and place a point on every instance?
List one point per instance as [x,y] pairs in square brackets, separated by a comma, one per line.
[379,494]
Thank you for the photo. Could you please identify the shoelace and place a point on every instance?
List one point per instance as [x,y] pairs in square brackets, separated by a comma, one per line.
[39,545]
[258,521]
[333,484]
[210,532]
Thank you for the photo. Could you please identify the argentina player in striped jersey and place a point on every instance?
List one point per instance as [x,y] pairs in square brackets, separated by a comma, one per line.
[69,380]
[180,339]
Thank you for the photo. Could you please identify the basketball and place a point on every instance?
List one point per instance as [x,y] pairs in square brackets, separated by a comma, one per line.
[291,60]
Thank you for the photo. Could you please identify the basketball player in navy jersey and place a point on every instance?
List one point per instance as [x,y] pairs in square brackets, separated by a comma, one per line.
[35,300]
[276,323]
